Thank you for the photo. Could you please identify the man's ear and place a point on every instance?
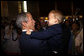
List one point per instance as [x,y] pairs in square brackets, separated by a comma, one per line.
[24,23]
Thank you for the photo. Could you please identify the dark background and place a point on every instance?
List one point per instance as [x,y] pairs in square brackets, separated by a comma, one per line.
[42,8]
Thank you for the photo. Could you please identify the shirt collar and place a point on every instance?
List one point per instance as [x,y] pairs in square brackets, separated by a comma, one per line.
[26,30]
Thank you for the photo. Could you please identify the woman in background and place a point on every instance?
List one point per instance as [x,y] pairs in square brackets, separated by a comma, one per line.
[11,46]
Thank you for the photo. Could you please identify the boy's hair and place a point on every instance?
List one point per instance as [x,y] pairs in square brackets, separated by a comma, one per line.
[58,15]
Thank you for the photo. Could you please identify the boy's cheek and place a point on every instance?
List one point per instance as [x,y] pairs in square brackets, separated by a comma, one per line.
[51,21]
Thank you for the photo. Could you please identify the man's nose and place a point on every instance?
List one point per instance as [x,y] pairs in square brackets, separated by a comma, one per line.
[34,21]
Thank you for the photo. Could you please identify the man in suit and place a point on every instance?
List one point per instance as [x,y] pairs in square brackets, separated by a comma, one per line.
[28,45]
[53,34]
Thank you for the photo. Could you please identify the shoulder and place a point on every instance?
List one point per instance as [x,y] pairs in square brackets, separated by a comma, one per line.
[24,35]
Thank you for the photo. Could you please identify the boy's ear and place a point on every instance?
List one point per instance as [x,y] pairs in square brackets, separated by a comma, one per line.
[56,21]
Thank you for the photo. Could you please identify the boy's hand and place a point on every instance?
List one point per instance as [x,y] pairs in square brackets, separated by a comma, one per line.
[28,32]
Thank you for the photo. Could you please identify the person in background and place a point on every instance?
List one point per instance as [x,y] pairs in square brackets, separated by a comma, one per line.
[11,45]
[79,40]
[75,29]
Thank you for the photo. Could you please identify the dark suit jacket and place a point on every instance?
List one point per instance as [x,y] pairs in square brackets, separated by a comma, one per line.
[32,46]
[54,37]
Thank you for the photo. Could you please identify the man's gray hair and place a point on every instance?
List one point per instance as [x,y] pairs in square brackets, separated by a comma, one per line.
[21,18]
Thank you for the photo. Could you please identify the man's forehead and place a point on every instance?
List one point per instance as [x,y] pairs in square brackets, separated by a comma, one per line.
[28,14]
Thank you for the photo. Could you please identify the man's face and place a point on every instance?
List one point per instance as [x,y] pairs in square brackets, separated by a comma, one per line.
[52,19]
[31,22]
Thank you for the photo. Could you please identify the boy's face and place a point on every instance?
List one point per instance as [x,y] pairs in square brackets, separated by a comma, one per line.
[52,20]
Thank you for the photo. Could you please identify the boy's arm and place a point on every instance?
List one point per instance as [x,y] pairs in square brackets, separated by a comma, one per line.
[43,35]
